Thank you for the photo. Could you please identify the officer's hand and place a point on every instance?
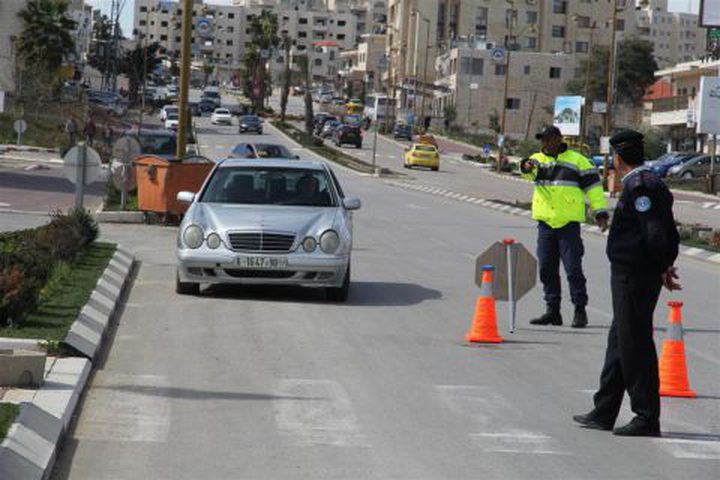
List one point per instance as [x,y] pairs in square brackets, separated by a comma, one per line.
[527,165]
[602,222]
[669,278]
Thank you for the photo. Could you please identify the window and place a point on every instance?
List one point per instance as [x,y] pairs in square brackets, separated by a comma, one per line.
[582,22]
[531,17]
[231,15]
[163,38]
[512,104]
[302,21]
[177,39]
[500,69]
[558,31]
[229,43]
[318,62]
[555,72]
[531,42]
[481,21]
[341,36]
[620,24]
[229,29]
[302,34]
[163,24]
[471,66]
[560,6]
[341,23]
[143,9]
[526,69]
[582,47]
[510,17]
[142,23]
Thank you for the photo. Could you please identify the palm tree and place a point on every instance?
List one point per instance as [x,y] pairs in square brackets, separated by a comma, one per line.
[47,38]
[263,31]
[138,64]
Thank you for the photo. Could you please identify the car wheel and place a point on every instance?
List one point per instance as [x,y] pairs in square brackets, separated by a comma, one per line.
[186,288]
[435,169]
[687,175]
[259,132]
[359,145]
[340,294]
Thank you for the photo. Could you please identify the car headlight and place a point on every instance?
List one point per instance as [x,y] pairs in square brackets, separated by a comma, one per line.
[329,241]
[193,236]
[675,169]
[309,244]
[214,241]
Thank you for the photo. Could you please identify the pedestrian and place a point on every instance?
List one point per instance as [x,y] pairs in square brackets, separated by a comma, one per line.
[562,178]
[71,128]
[108,134]
[642,247]
[89,131]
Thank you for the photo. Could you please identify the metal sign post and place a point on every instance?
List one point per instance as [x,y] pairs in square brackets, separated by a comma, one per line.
[80,178]
[510,244]
[20,126]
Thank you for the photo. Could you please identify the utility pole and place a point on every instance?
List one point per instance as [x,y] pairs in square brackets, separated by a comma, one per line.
[184,77]
[415,61]
[501,140]
[609,92]
[427,51]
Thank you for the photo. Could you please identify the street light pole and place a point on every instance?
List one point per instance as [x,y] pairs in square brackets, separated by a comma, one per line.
[501,147]
[609,92]
[427,51]
[415,60]
[587,84]
[184,76]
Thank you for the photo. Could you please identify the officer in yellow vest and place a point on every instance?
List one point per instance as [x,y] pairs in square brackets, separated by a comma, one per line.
[563,179]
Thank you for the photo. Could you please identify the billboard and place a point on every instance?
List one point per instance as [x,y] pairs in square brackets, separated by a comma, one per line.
[567,115]
[708,106]
[710,13]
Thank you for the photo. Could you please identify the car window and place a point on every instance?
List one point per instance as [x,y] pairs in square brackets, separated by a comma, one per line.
[222,112]
[172,116]
[269,186]
[337,183]
[243,151]
[425,148]
[157,144]
[272,151]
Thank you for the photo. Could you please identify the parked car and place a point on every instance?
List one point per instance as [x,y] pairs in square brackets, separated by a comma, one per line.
[172,120]
[172,92]
[262,150]
[221,116]
[697,166]
[250,123]
[194,109]
[319,119]
[329,127]
[212,94]
[269,222]
[347,134]
[665,162]
[403,130]
[168,109]
[422,155]
[206,107]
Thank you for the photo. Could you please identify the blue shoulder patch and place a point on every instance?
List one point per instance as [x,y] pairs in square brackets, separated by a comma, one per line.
[643,204]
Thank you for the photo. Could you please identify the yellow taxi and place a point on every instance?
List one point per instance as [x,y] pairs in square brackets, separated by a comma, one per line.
[422,155]
[355,107]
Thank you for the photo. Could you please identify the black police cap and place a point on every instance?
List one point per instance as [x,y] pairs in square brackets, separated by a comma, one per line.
[549,131]
[629,145]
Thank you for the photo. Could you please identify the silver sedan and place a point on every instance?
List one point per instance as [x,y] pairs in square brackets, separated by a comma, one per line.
[275,222]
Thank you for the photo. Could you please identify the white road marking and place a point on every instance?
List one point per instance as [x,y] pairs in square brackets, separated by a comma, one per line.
[517,441]
[126,408]
[691,449]
[4,205]
[321,414]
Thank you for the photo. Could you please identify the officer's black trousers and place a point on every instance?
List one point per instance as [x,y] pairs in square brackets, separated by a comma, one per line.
[631,360]
[553,245]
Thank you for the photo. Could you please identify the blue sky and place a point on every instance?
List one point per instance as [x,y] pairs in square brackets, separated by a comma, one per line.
[126,20]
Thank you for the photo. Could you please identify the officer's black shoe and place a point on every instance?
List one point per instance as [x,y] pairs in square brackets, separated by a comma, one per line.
[580,320]
[550,317]
[590,420]
[639,427]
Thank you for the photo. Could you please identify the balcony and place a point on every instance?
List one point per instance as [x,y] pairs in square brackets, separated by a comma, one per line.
[670,111]
[671,103]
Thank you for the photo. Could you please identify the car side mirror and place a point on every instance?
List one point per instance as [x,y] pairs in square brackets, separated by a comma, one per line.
[296,157]
[352,203]
[186,197]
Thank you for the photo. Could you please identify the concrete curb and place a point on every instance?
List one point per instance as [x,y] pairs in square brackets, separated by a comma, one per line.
[27,148]
[87,332]
[30,447]
[105,216]
[692,252]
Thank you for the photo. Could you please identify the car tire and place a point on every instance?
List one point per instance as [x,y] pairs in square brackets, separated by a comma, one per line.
[260,132]
[186,288]
[359,145]
[340,294]
[687,176]
[435,169]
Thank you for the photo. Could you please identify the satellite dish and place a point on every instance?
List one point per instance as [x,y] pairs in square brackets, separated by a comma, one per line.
[123,176]
[126,149]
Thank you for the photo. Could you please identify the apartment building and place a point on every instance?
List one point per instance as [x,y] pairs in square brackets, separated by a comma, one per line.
[364,65]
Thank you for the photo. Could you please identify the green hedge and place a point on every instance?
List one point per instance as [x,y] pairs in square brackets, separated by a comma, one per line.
[28,257]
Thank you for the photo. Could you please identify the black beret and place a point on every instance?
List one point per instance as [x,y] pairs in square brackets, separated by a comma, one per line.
[629,145]
[549,131]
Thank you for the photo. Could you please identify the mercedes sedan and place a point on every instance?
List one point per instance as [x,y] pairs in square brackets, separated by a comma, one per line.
[274,222]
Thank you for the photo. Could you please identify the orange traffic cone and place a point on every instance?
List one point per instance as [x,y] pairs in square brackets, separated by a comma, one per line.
[484,325]
[673,369]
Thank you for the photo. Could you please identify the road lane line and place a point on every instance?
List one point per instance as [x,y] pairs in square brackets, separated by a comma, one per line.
[518,441]
[691,449]
[317,412]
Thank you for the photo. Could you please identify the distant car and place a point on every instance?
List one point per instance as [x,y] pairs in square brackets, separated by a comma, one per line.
[344,134]
[325,99]
[338,101]
[212,94]
[250,123]
[422,155]
[694,167]
[206,107]
[319,120]
[427,139]
[194,109]
[298,90]
[262,150]
[221,116]
[160,142]
[172,120]
[172,92]
[167,109]
[329,127]
[353,119]
[269,222]
[662,165]
[403,130]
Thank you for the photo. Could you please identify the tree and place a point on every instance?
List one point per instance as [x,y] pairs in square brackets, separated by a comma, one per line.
[494,121]
[138,64]
[264,39]
[635,70]
[46,39]
[450,114]
[100,47]
[304,63]
[286,79]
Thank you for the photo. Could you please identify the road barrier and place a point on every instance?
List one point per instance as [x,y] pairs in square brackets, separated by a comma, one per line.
[673,368]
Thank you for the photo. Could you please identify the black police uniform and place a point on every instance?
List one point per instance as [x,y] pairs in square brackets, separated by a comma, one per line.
[643,244]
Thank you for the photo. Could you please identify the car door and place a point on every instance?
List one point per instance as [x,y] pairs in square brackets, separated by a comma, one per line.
[701,166]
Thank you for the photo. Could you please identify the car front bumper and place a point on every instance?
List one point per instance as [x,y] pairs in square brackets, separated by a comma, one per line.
[218,267]
[424,162]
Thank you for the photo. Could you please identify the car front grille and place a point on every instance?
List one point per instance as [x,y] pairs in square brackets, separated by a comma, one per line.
[274,274]
[261,242]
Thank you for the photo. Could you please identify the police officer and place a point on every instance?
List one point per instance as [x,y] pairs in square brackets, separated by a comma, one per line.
[642,246]
[562,179]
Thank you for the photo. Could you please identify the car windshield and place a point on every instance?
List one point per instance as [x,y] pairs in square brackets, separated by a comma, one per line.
[273,151]
[211,94]
[269,186]
[157,144]
[172,116]
[425,148]
[222,112]
[250,119]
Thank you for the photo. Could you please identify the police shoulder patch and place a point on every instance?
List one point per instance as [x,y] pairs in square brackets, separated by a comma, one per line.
[643,204]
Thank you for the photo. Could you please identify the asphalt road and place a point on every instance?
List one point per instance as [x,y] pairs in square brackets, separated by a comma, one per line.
[471,178]
[271,383]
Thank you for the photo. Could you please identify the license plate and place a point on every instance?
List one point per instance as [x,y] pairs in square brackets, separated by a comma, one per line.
[263,263]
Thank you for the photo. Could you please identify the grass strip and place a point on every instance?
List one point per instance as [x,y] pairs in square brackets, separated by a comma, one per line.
[112,200]
[315,145]
[64,296]
[8,413]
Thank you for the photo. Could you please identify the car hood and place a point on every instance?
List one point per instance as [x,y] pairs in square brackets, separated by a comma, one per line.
[299,220]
